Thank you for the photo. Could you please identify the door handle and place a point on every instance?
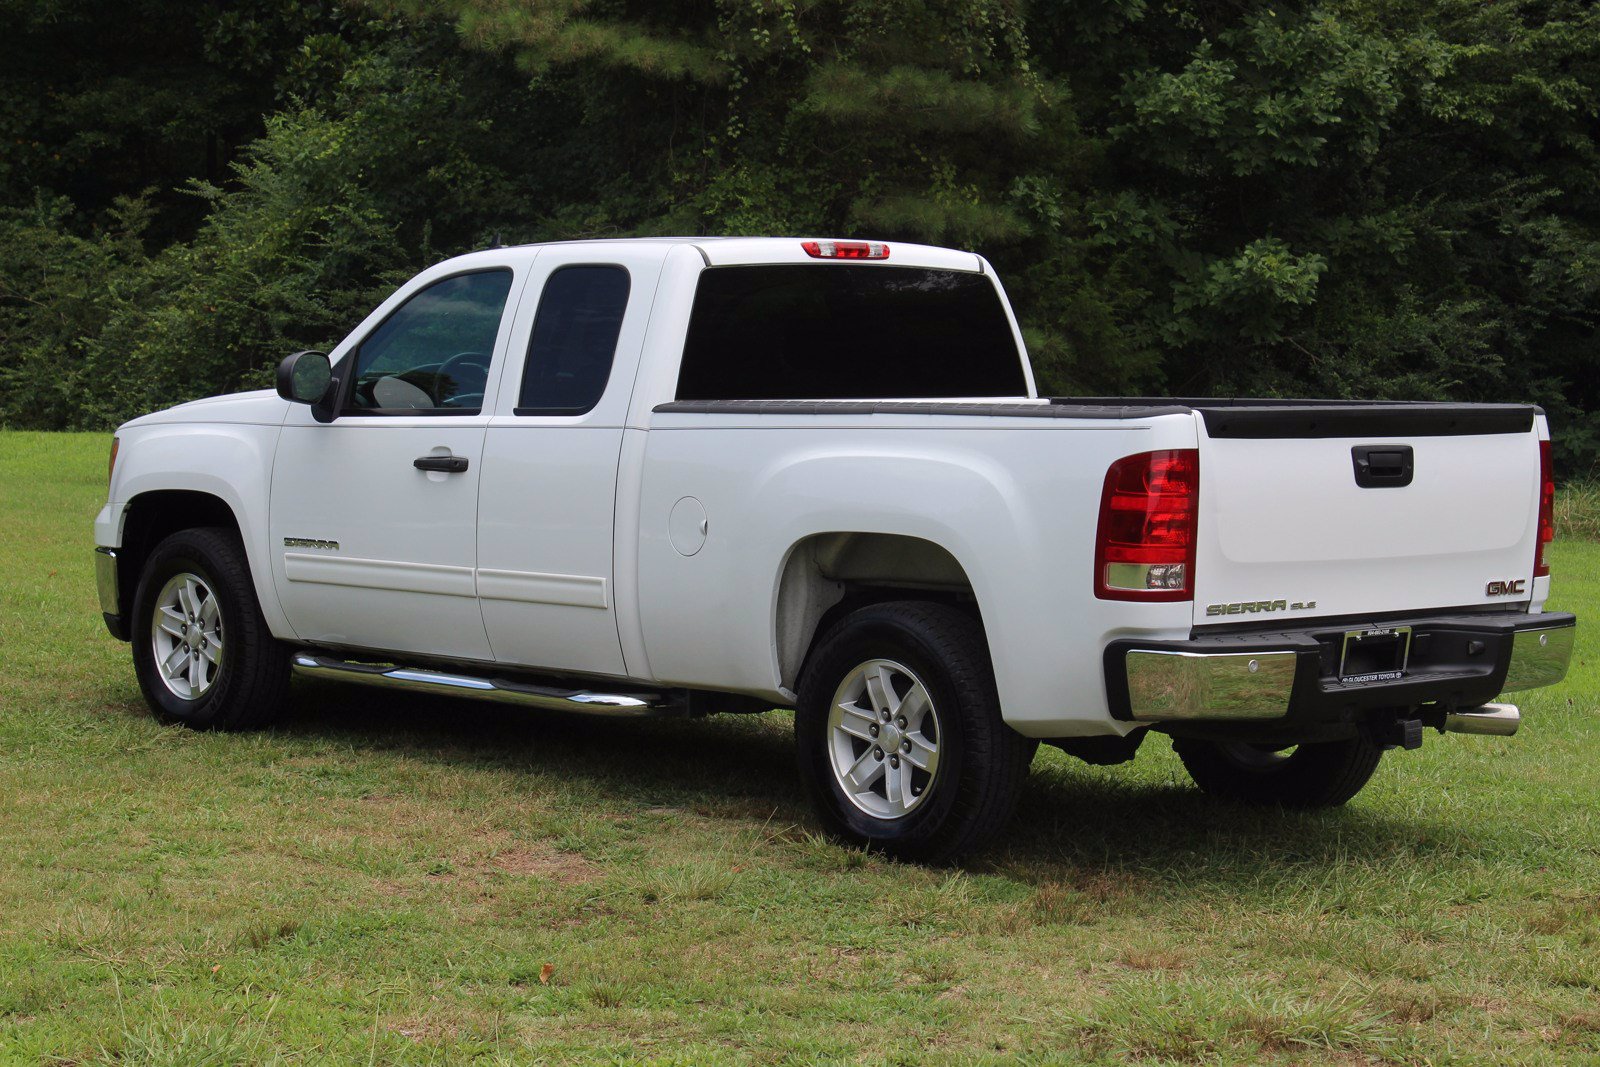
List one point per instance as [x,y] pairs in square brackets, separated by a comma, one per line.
[447,464]
[1383,466]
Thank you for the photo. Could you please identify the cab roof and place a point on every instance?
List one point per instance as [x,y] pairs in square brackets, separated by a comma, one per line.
[730,251]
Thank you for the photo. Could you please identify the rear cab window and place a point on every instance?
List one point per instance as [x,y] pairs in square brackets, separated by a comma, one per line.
[847,332]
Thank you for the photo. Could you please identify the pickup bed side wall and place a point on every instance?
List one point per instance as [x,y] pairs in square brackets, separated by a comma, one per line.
[1015,502]
[230,461]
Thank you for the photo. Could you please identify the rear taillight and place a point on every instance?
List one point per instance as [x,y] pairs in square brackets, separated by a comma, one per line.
[845,249]
[111,461]
[1144,549]
[1547,511]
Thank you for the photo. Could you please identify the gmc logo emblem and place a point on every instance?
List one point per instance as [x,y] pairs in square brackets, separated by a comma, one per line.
[1514,588]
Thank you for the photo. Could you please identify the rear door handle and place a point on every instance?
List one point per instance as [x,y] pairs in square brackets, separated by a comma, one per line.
[447,464]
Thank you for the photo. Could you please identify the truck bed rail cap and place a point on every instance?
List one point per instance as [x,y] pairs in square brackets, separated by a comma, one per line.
[1016,410]
[1265,419]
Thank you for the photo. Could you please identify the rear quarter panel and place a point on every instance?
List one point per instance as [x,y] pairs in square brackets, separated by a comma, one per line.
[1015,501]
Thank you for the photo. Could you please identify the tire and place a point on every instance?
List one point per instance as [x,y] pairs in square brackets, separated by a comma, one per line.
[1322,775]
[972,764]
[203,573]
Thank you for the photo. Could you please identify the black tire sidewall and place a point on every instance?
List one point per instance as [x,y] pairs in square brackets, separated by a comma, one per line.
[195,552]
[1317,775]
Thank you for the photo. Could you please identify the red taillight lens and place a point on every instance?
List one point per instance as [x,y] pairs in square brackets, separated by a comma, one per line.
[1547,511]
[111,462]
[1149,512]
[845,249]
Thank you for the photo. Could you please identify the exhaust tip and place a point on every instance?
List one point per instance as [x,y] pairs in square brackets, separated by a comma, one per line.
[1499,720]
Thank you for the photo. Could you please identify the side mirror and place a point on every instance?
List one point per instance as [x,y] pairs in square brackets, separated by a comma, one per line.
[305,377]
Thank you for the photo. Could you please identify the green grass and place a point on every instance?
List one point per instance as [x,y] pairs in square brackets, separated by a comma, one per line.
[383,880]
[1577,510]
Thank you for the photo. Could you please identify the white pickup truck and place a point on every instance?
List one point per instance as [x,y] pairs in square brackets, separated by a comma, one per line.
[679,476]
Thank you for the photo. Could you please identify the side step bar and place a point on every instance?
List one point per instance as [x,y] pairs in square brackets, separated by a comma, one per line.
[1501,720]
[500,690]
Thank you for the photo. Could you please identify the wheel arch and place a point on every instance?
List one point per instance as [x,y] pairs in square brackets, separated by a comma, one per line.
[825,576]
[156,514]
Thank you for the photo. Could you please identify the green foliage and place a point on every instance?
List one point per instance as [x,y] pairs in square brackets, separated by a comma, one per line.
[332,206]
[57,291]
[1384,198]
[107,100]
[1363,199]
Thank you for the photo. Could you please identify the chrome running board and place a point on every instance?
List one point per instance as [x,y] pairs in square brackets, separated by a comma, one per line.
[1501,720]
[501,690]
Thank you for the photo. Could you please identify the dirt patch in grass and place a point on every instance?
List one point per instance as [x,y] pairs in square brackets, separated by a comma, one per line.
[545,864]
[426,1029]
[1085,896]
[1566,914]
[1154,960]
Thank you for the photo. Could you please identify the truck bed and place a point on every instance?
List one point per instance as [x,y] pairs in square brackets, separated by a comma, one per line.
[1290,528]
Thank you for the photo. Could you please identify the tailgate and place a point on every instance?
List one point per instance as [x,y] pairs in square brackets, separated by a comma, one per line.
[1309,511]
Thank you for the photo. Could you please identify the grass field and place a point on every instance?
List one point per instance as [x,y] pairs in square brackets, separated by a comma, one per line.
[389,880]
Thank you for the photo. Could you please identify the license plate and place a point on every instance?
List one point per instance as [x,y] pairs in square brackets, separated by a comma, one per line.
[1375,655]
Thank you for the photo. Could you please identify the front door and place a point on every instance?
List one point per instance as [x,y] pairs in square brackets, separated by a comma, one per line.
[373,516]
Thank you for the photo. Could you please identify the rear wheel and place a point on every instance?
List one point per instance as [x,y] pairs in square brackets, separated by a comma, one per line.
[901,743]
[1321,775]
[201,649]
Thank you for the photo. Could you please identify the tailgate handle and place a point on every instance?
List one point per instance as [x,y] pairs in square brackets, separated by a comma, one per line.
[1383,466]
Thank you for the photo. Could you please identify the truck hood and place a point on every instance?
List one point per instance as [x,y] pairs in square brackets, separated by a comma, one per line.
[261,406]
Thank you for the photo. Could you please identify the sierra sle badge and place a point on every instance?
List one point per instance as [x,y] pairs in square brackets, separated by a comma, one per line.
[1252,607]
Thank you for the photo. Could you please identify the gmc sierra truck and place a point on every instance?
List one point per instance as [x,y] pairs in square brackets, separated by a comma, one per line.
[680,476]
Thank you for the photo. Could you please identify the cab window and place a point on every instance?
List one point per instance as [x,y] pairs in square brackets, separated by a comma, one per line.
[432,354]
[574,340]
[847,332]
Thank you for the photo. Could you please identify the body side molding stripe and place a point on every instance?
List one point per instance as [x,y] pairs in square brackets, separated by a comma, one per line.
[379,574]
[571,590]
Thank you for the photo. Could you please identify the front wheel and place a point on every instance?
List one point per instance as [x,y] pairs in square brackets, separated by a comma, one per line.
[1321,775]
[201,649]
[901,744]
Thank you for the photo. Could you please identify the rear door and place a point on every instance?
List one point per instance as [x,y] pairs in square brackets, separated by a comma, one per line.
[547,505]
[1339,511]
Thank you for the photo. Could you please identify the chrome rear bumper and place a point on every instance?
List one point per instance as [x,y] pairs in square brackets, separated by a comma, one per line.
[1285,679]
[1164,685]
[1539,658]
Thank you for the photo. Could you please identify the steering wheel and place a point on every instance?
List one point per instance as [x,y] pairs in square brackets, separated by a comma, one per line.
[461,359]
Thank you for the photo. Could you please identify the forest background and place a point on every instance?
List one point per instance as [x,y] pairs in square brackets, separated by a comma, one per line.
[1352,198]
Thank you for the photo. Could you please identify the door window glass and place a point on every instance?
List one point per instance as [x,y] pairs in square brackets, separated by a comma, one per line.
[433,352]
[574,340]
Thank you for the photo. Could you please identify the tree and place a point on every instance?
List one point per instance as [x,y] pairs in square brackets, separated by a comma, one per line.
[1347,198]
[108,100]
